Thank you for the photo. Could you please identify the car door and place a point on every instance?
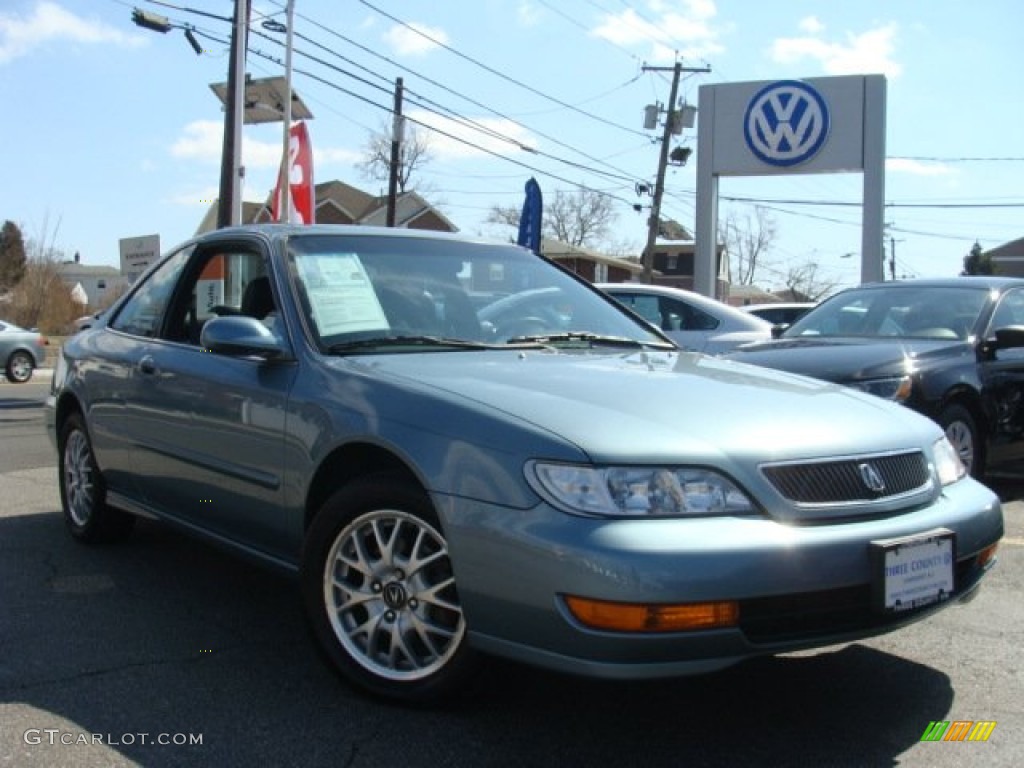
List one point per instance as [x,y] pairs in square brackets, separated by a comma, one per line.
[224,473]
[1002,377]
[114,373]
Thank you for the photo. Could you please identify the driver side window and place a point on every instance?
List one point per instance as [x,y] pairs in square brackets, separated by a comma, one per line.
[143,313]
[1009,312]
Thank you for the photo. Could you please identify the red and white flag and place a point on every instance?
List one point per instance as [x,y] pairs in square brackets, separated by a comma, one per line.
[300,178]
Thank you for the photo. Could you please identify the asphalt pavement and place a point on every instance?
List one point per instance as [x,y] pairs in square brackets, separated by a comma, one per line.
[163,651]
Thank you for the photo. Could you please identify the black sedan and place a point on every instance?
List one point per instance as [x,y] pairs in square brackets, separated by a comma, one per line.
[952,349]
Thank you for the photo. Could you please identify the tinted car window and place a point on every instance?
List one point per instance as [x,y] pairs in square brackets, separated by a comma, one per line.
[1010,310]
[936,312]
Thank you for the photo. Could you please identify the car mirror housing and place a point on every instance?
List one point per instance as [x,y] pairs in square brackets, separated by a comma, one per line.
[1009,337]
[242,336]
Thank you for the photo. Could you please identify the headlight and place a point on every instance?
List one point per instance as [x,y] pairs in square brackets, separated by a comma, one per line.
[638,491]
[948,466]
[894,388]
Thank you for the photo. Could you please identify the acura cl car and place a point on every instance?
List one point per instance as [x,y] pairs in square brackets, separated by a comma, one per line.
[447,482]
[952,349]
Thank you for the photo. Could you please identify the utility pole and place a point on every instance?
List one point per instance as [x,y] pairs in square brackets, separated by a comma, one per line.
[397,129]
[654,221]
[892,257]
[229,204]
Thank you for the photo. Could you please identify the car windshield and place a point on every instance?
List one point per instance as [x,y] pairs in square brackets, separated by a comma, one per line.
[425,294]
[904,311]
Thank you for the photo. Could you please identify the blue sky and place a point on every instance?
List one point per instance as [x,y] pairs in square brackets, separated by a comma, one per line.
[112,131]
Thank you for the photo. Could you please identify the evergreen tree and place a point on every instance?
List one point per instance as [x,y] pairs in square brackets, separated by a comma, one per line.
[12,256]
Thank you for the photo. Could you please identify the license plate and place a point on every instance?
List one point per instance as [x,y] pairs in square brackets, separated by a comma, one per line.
[914,571]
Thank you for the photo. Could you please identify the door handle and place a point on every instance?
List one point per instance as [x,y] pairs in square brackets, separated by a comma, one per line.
[147,365]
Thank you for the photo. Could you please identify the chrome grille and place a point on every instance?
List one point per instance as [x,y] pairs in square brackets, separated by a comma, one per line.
[850,480]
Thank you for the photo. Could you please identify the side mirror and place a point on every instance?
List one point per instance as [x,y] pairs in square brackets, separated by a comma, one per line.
[241,336]
[1009,337]
[779,329]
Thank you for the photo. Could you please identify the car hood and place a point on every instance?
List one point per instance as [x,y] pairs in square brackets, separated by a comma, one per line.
[658,406]
[850,359]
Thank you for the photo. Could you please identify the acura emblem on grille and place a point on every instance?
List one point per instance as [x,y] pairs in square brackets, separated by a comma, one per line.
[871,477]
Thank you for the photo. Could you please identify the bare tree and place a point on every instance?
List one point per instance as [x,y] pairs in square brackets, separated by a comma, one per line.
[748,239]
[413,154]
[41,299]
[582,218]
[806,284]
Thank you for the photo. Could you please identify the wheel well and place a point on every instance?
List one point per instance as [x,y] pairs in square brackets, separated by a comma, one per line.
[343,465]
[66,406]
[972,403]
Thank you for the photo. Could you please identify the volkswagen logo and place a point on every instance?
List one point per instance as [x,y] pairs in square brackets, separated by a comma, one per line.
[786,123]
[872,477]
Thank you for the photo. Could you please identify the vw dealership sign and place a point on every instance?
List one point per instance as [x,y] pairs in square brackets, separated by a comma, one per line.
[786,123]
[790,127]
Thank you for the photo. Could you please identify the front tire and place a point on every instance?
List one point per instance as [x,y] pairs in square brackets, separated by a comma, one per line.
[19,367]
[962,431]
[83,494]
[380,593]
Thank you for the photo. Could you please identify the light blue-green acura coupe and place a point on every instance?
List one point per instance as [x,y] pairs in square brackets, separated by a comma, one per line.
[461,449]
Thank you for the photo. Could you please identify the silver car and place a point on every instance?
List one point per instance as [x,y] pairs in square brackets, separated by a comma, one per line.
[21,352]
[692,321]
[552,483]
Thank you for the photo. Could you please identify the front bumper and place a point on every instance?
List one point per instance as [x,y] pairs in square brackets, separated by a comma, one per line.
[797,587]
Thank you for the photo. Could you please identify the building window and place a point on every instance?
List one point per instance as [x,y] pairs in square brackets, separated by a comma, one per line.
[101,284]
[673,263]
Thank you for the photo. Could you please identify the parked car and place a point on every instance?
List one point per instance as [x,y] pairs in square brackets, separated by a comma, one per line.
[584,497]
[782,313]
[952,349]
[21,352]
[692,321]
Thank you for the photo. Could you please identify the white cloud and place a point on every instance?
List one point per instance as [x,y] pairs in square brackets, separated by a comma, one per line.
[203,140]
[50,23]
[452,143]
[811,25]
[334,156]
[415,39]
[689,33]
[528,14]
[917,167]
[870,52]
[202,198]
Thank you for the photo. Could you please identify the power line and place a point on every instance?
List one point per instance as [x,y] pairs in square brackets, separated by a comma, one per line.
[498,73]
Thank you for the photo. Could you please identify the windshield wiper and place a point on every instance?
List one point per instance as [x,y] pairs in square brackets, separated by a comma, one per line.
[587,338]
[437,342]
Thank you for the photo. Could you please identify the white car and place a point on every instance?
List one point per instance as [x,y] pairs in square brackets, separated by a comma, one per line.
[691,320]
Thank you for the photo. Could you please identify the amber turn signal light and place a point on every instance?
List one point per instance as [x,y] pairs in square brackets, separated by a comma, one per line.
[987,555]
[641,617]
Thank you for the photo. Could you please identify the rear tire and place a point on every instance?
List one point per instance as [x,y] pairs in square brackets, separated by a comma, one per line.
[380,593]
[83,494]
[19,367]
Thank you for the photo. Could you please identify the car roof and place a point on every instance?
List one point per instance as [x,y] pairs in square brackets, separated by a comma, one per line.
[992,282]
[278,230]
[778,305]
